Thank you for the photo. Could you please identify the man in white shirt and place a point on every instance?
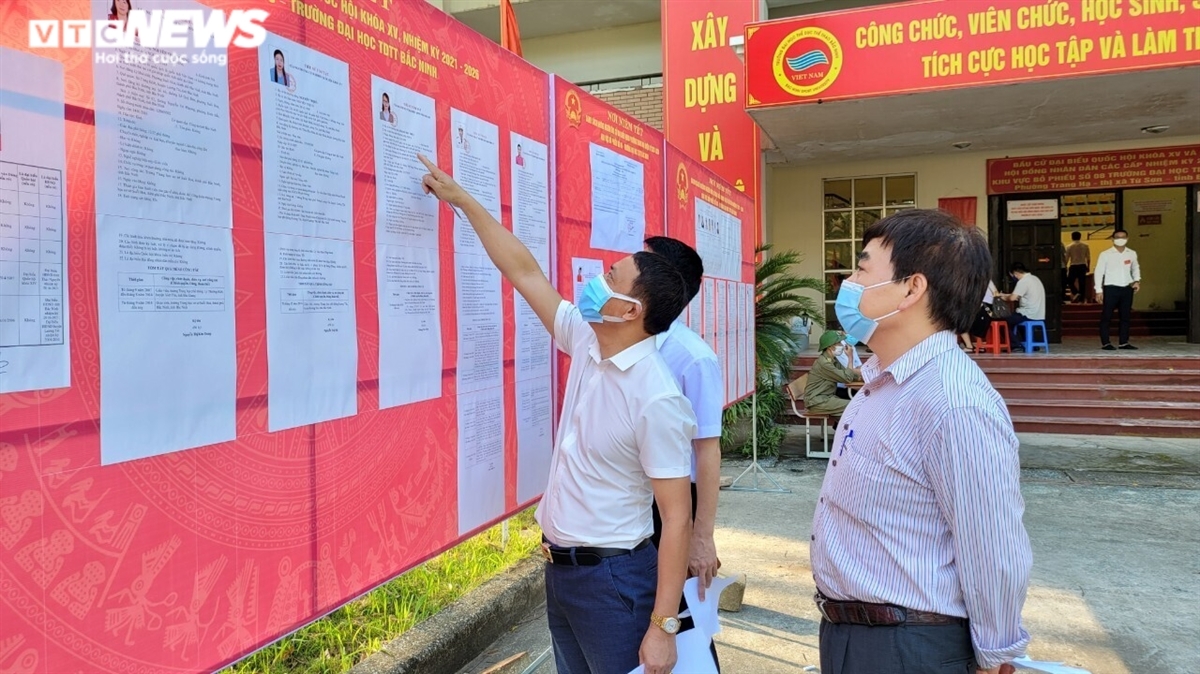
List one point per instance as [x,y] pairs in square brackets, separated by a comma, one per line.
[1030,295]
[1118,277]
[698,373]
[624,439]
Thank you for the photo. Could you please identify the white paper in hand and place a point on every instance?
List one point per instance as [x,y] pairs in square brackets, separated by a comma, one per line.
[1024,662]
[704,613]
[694,657]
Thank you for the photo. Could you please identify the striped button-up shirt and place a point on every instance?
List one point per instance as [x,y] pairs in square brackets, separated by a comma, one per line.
[921,505]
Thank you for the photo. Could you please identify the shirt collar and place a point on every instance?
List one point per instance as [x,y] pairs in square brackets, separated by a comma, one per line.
[628,357]
[914,359]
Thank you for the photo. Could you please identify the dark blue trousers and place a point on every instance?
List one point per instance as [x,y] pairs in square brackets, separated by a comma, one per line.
[599,614]
[901,649]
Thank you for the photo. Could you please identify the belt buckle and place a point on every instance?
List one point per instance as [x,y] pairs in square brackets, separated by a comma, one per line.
[820,601]
[546,552]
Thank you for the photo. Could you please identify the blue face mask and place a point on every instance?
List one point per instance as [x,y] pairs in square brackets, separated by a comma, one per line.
[595,295]
[858,328]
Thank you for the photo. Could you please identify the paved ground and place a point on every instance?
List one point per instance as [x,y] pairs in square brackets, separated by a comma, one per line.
[1115,526]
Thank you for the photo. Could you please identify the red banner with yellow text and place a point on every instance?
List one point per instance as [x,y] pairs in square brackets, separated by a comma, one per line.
[945,44]
[1178,165]
[703,111]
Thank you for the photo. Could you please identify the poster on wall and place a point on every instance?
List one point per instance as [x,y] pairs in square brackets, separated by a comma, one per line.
[34,324]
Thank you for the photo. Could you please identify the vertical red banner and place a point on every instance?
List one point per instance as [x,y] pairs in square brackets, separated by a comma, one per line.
[703,92]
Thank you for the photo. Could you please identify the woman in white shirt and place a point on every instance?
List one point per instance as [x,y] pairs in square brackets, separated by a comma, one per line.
[983,319]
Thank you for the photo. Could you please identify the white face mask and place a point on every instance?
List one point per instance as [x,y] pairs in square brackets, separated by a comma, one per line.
[839,350]
[1120,243]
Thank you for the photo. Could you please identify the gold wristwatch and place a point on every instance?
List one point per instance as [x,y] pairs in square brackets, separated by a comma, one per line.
[670,625]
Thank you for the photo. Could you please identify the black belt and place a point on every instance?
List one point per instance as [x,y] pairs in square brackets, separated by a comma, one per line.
[584,556]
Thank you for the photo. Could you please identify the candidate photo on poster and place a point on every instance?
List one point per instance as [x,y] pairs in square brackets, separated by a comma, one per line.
[385,110]
[462,142]
[520,159]
[119,11]
[280,75]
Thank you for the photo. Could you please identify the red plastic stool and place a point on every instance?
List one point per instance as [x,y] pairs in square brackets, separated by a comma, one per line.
[997,340]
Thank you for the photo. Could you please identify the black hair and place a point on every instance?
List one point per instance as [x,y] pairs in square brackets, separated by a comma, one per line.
[952,257]
[661,289]
[1019,267]
[1075,236]
[683,257]
[1119,231]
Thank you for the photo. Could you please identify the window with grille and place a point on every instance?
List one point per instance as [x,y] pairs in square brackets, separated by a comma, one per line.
[850,206]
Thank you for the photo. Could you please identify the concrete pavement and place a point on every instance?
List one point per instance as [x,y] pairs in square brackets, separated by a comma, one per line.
[1115,527]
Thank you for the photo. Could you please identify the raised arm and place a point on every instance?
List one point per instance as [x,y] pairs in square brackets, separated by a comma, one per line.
[507,252]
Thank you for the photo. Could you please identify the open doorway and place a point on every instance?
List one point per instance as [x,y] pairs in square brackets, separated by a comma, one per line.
[1036,229]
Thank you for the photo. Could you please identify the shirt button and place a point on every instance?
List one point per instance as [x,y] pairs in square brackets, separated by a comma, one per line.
[835,463]
[822,499]
[813,537]
[867,393]
[845,427]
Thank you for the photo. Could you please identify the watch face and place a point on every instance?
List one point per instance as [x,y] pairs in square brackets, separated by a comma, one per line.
[671,625]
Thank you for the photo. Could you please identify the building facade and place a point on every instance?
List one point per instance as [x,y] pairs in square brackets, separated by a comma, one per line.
[1016,159]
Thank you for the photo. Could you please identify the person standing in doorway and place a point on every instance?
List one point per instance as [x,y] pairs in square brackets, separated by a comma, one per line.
[1078,260]
[624,440]
[918,550]
[1118,277]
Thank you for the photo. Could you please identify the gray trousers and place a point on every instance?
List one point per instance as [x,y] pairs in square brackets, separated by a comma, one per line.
[902,649]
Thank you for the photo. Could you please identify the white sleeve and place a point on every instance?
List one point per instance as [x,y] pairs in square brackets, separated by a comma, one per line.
[1135,268]
[570,328]
[665,429]
[1099,274]
[703,387]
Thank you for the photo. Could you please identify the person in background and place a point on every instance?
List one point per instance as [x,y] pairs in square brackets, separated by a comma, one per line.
[918,550]
[983,318]
[848,358]
[820,394]
[624,440]
[1030,296]
[1077,260]
[698,373]
[1118,277]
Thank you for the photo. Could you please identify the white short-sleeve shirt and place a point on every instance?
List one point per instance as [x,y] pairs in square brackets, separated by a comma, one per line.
[624,422]
[698,373]
[1032,296]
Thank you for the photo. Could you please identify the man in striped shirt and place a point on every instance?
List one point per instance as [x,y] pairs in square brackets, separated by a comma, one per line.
[918,550]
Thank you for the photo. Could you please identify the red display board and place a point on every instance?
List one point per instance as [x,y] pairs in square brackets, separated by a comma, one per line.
[588,130]
[189,560]
[930,45]
[699,204]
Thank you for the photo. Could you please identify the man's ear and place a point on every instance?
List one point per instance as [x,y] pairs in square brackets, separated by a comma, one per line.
[918,286]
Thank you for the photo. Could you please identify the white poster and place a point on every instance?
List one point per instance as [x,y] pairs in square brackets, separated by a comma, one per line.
[403,121]
[725,329]
[162,130]
[1033,209]
[312,345]
[312,339]
[535,436]
[584,269]
[618,201]
[480,458]
[718,241]
[480,323]
[530,167]
[708,290]
[168,347]
[410,327]
[35,340]
[307,169]
[476,163]
[407,262]
[694,313]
